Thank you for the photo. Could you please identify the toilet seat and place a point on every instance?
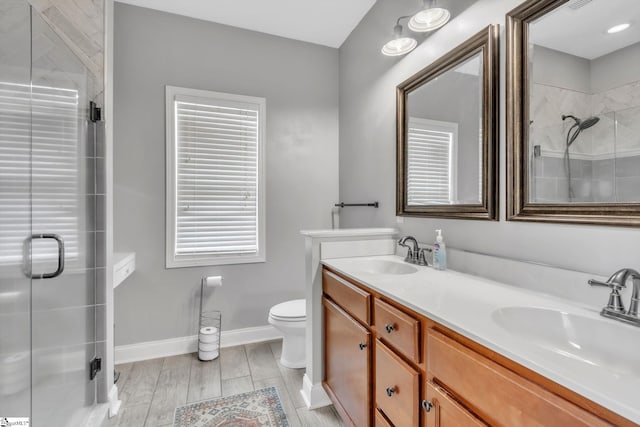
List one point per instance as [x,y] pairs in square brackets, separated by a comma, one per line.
[289,311]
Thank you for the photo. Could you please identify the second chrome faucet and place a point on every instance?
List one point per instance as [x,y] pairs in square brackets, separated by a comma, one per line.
[615,307]
[415,254]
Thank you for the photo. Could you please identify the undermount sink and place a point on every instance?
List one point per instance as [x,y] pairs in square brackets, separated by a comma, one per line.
[615,347]
[383,266]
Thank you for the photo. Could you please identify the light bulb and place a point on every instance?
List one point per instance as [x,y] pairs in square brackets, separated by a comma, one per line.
[429,19]
[399,46]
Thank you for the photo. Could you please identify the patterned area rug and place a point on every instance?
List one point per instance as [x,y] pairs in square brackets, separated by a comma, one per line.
[260,408]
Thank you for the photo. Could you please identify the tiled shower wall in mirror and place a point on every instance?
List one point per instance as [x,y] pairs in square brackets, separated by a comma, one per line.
[605,158]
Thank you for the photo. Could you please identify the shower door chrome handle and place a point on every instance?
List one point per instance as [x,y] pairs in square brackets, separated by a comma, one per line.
[27,252]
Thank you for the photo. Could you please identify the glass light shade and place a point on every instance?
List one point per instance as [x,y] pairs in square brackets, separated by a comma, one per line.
[429,19]
[399,46]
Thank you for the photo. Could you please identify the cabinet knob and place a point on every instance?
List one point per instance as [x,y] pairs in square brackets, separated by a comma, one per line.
[426,405]
[389,328]
[362,346]
[390,391]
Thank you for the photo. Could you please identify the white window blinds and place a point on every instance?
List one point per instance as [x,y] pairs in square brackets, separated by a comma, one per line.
[39,168]
[217,212]
[430,161]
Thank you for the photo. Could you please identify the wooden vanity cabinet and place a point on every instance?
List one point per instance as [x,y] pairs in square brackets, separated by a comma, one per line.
[424,374]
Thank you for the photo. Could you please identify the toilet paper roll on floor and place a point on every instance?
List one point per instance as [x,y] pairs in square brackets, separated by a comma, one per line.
[212,281]
[208,334]
[208,339]
[208,355]
[203,346]
[208,330]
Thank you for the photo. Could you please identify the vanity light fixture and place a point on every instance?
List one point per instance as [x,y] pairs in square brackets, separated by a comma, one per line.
[430,18]
[400,45]
[618,28]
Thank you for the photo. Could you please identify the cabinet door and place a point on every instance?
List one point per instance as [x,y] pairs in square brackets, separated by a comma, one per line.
[442,411]
[347,364]
[397,387]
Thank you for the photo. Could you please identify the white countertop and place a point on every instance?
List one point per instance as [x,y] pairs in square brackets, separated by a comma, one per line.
[465,304]
[124,264]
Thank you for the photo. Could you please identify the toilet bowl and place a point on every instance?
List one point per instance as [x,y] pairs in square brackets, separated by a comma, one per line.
[290,318]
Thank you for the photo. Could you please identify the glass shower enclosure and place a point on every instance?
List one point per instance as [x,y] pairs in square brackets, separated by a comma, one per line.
[49,197]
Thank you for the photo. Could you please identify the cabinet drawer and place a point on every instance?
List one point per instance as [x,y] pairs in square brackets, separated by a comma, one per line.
[446,412]
[351,298]
[498,395]
[381,421]
[397,387]
[399,329]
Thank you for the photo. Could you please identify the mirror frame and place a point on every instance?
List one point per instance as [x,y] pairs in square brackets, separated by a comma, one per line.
[485,42]
[518,206]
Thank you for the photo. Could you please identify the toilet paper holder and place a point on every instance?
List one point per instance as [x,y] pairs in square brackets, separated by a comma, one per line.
[210,323]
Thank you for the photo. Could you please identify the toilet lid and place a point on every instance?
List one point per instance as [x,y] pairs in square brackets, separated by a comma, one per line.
[295,309]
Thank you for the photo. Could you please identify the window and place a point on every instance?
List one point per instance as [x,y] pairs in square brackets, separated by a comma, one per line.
[215,178]
[431,157]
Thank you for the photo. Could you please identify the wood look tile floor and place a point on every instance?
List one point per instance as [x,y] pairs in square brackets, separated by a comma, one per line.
[151,390]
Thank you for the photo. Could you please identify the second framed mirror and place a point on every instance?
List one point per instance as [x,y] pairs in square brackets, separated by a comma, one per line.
[447,138]
[573,112]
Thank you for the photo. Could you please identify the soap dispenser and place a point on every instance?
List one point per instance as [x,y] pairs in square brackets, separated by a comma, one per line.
[439,252]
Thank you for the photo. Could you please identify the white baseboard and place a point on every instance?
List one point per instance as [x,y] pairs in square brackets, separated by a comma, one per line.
[314,395]
[183,345]
[114,402]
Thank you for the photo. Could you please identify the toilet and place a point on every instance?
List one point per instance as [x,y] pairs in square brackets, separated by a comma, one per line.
[290,318]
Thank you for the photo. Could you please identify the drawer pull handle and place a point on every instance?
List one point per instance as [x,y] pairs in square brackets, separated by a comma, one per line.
[362,346]
[426,405]
[389,328]
[390,391]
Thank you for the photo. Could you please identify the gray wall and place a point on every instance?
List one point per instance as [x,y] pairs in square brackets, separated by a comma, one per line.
[615,69]
[299,81]
[367,151]
[559,69]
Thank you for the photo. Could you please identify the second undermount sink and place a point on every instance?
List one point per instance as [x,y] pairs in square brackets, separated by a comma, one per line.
[615,347]
[383,266]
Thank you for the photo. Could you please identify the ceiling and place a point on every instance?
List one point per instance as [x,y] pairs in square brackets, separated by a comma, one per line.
[580,27]
[323,22]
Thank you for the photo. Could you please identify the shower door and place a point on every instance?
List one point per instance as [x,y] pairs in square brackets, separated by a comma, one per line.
[47,220]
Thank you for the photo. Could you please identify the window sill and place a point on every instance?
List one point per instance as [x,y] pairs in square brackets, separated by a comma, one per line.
[213,261]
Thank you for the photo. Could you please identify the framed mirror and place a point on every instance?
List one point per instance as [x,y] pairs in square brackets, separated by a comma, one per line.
[573,112]
[447,139]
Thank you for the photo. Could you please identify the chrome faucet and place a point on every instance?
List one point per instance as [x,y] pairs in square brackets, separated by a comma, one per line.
[415,254]
[615,307]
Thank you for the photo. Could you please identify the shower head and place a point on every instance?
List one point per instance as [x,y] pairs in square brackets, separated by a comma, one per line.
[588,122]
[581,124]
